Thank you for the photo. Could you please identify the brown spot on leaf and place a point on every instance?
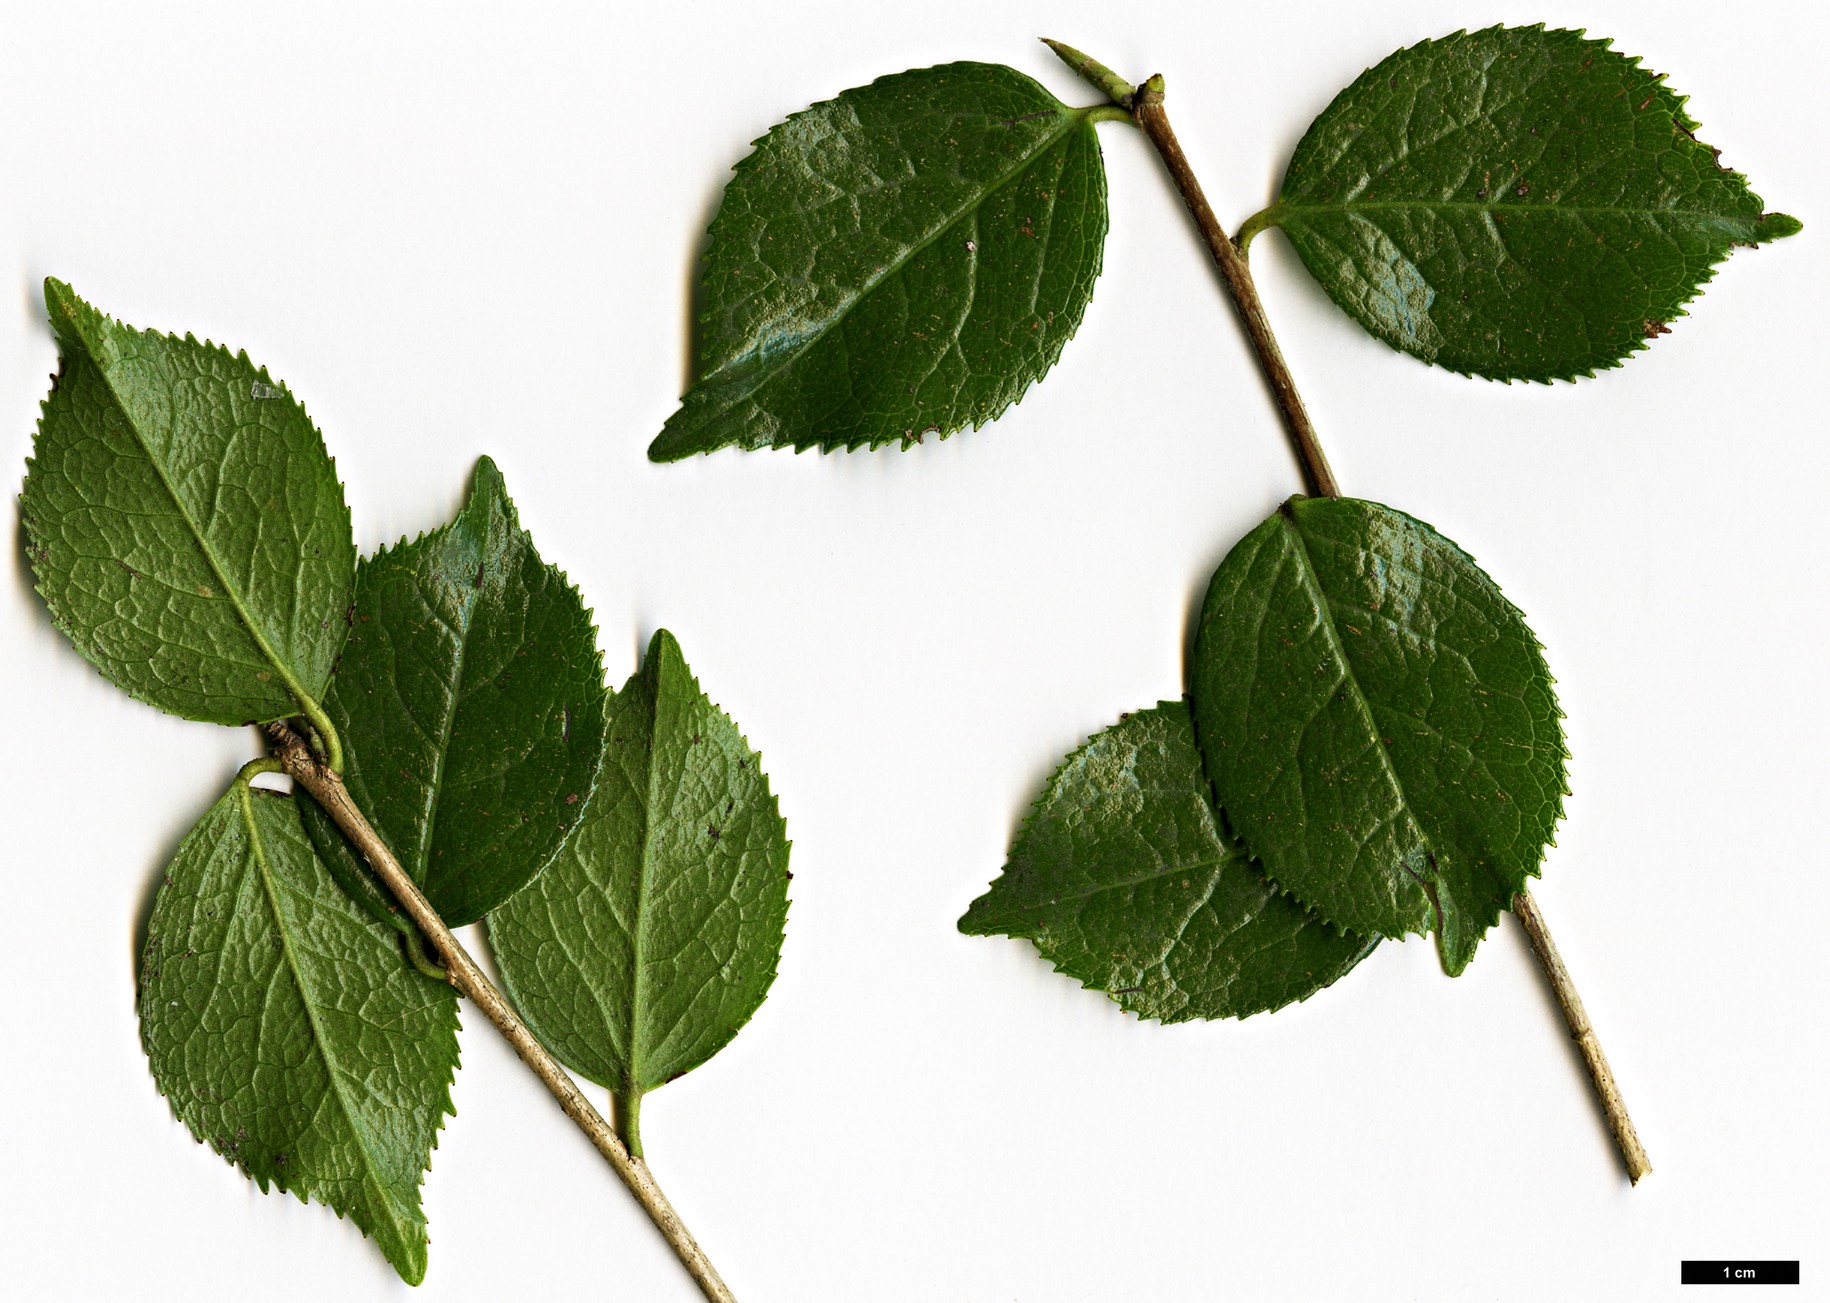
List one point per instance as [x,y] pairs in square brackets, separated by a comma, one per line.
[1655,328]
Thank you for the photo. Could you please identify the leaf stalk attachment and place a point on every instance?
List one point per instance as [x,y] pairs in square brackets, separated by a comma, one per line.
[296,758]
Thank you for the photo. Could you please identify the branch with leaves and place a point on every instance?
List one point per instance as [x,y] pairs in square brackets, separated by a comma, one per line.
[456,757]
[1371,746]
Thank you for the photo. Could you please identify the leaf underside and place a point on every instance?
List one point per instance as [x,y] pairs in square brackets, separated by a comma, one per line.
[903,260]
[655,934]
[1514,203]
[1124,880]
[470,700]
[1378,722]
[285,1030]
[185,524]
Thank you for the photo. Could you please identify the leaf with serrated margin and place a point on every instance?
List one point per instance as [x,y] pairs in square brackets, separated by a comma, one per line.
[471,703]
[285,1030]
[1125,880]
[903,260]
[185,523]
[655,934]
[1378,722]
[1513,203]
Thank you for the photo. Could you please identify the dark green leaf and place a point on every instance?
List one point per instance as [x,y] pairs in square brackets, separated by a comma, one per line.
[901,261]
[1378,722]
[654,936]
[1126,882]
[1513,203]
[470,698]
[185,524]
[286,1031]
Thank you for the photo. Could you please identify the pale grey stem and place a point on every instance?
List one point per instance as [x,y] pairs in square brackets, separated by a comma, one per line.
[1632,1153]
[296,757]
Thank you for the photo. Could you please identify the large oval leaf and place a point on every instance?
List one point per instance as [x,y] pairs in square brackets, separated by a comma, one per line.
[655,934]
[1126,882]
[185,523]
[1378,722]
[286,1031]
[1513,203]
[900,261]
[470,699]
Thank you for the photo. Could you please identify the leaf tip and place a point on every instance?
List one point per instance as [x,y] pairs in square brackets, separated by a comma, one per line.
[487,486]
[663,645]
[672,445]
[410,1263]
[1776,226]
[64,307]
[58,296]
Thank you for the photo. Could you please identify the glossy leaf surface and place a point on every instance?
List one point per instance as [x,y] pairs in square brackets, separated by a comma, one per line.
[470,699]
[286,1031]
[1378,722]
[185,523]
[654,936]
[903,260]
[1514,203]
[1125,880]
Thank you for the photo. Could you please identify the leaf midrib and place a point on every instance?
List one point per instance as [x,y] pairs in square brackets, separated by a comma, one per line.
[632,1079]
[1280,209]
[435,789]
[303,986]
[303,698]
[1071,118]
[1192,866]
[1311,580]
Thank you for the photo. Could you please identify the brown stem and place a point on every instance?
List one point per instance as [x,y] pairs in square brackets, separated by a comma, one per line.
[1147,109]
[1632,1153]
[296,757]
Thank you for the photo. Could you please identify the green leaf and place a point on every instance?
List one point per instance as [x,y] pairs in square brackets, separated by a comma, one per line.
[471,703]
[1126,882]
[286,1031]
[1513,203]
[901,261]
[1378,722]
[654,936]
[185,524]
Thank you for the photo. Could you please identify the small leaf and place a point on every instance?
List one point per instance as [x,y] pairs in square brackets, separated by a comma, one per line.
[1378,722]
[901,261]
[185,524]
[470,699]
[286,1031]
[1513,203]
[655,935]
[1126,882]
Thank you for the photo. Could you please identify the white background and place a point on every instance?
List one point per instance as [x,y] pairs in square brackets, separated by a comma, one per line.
[460,230]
